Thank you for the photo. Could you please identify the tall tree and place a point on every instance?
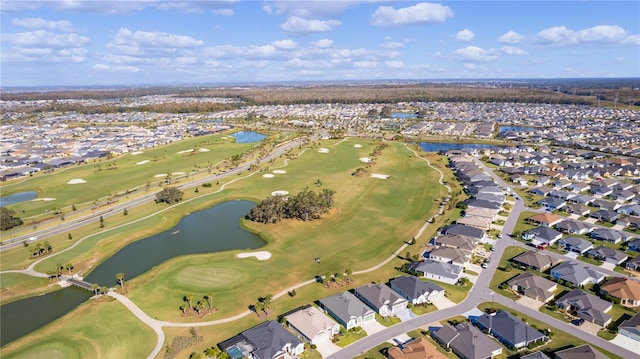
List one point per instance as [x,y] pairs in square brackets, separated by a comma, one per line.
[120,278]
[169,195]
[8,219]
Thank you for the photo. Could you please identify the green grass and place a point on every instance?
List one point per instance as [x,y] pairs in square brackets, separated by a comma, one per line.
[17,286]
[500,275]
[455,293]
[377,352]
[387,321]
[94,330]
[423,309]
[350,337]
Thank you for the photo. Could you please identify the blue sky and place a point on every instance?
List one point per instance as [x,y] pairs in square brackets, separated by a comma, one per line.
[70,42]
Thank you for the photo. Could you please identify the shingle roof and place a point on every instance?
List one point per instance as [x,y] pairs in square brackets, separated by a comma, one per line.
[509,327]
[623,288]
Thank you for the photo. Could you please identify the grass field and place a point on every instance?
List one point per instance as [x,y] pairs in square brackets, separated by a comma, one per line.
[93,330]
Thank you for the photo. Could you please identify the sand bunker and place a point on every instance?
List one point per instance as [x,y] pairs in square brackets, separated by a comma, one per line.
[377,175]
[279,172]
[44,199]
[268,175]
[323,150]
[177,173]
[224,138]
[160,175]
[136,153]
[357,145]
[204,150]
[279,193]
[76,181]
[261,256]
[185,151]
[143,162]
[365,159]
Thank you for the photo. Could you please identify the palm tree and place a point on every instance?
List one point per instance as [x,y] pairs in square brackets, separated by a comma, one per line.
[198,307]
[189,298]
[59,268]
[183,309]
[348,274]
[104,290]
[69,267]
[95,288]
[120,277]
[209,298]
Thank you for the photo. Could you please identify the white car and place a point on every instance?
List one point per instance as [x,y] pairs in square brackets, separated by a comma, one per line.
[33,238]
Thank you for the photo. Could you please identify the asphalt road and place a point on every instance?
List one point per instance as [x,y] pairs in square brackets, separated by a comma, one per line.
[118,207]
[478,294]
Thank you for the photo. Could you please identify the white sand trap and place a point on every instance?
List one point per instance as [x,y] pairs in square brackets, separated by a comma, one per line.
[143,162]
[224,138]
[365,159]
[160,175]
[204,150]
[185,151]
[76,181]
[377,175]
[279,193]
[177,173]
[44,199]
[136,153]
[323,150]
[357,145]
[268,175]
[279,172]
[261,255]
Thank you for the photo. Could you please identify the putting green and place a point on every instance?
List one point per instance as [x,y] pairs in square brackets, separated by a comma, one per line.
[204,277]
[49,351]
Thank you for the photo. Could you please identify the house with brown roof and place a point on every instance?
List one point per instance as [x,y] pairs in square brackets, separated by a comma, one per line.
[625,289]
[535,260]
[415,349]
[545,219]
[533,286]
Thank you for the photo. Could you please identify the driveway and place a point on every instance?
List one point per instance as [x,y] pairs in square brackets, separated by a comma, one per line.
[572,255]
[607,265]
[443,302]
[529,302]
[326,347]
[372,327]
[405,314]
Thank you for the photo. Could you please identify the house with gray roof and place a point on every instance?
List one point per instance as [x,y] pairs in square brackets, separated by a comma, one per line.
[416,290]
[456,241]
[450,255]
[381,298]
[583,199]
[535,260]
[536,355]
[533,286]
[631,328]
[269,340]
[348,310]
[312,324]
[552,203]
[436,270]
[633,264]
[632,222]
[574,227]
[576,273]
[467,341]
[607,234]
[542,234]
[581,352]
[465,231]
[586,306]
[608,255]
[508,329]
[575,244]
[575,208]
[605,215]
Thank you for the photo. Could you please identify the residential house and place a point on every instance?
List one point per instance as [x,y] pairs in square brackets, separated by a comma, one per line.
[415,349]
[348,310]
[576,273]
[634,245]
[625,289]
[480,203]
[633,264]
[436,270]
[450,255]
[606,234]
[491,197]
[630,328]
[467,341]
[456,241]
[608,255]
[519,180]
[579,209]
[605,204]
[563,195]
[574,227]
[477,222]
[600,191]
[542,235]
[480,212]
[545,219]
[605,215]
[541,191]
[579,187]
[508,329]
[631,222]
[552,203]
[575,244]
[581,352]
[583,199]
[630,210]
[586,306]
[312,324]
[384,300]
[536,355]
[269,340]
[416,290]
[465,231]
[535,260]
[623,195]
[533,286]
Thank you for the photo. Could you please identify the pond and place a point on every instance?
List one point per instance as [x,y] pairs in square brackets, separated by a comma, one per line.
[248,137]
[503,129]
[17,198]
[403,115]
[446,146]
[212,230]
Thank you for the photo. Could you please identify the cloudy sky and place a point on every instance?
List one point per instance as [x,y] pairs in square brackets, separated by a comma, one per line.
[98,42]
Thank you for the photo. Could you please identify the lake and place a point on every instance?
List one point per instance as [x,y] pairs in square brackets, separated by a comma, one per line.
[248,137]
[211,230]
[17,198]
[503,129]
[445,146]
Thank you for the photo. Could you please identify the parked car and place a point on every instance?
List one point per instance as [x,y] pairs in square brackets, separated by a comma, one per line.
[577,322]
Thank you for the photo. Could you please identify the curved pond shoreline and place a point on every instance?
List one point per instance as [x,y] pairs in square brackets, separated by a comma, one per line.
[192,235]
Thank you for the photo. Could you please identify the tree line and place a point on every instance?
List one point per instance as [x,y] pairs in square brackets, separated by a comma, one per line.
[306,205]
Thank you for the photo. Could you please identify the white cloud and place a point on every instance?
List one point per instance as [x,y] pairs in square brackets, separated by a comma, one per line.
[324,43]
[512,50]
[223,12]
[474,54]
[394,64]
[285,44]
[42,38]
[465,35]
[126,37]
[296,25]
[36,23]
[392,45]
[600,34]
[309,9]
[511,37]
[230,51]
[422,13]
[103,67]
[365,64]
